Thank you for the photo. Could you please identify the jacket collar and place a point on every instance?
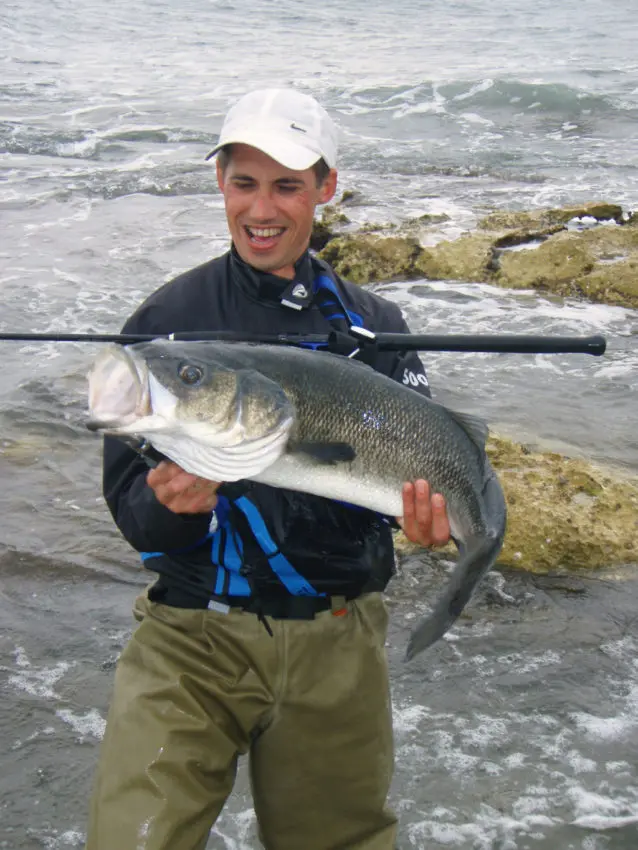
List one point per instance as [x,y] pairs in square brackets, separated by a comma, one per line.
[269,287]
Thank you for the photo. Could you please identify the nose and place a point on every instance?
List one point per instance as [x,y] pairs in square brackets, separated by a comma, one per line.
[263,207]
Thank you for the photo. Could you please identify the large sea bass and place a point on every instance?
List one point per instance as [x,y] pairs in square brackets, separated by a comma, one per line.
[308,421]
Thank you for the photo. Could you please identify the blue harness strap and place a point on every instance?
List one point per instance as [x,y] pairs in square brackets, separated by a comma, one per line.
[327,298]
[293,581]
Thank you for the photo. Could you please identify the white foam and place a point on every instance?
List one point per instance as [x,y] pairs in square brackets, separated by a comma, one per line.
[37,682]
[89,725]
[515,760]
[474,118]
[618,369]
[524,246]
[600,811]
[481,731]
[407,718]
[618,768]
[242,824]
[560,781]
[490,309]
[59,841]
[580,763]
[483,85]
[621,725]
[83,148]
[489,828]
[530,805]
[604,728]
[600,822]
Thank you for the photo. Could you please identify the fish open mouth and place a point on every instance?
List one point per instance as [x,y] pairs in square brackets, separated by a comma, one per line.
[118,390]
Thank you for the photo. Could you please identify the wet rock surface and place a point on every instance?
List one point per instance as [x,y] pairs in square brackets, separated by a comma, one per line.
[590,251]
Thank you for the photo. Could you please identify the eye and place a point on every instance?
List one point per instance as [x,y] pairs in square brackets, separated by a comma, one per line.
[190,374]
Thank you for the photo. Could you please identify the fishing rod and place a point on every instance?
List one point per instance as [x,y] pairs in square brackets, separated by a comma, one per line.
[478,343]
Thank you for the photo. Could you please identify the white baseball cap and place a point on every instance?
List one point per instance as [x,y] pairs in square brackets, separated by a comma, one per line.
[287,125]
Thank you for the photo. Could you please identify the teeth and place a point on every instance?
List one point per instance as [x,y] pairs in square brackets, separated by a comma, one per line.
[265,232]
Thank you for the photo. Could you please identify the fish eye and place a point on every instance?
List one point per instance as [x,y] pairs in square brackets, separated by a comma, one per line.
[190,374]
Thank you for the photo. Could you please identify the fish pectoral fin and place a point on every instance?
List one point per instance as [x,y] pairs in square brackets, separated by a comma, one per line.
[325,454]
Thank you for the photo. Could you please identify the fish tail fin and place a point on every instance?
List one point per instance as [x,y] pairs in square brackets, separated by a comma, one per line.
[476,559]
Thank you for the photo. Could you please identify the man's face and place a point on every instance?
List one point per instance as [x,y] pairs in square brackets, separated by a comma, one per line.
[270,208]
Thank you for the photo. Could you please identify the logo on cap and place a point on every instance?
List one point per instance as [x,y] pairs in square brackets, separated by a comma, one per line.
[293,126]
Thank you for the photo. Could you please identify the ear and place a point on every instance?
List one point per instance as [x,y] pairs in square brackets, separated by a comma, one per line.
[220,176]
[328,187]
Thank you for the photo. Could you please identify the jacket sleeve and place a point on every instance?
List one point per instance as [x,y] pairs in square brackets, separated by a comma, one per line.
[143,521]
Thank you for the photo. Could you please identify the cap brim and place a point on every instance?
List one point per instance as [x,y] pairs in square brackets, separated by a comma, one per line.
[281,149]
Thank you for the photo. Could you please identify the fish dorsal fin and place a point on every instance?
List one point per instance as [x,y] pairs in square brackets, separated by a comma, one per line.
[475,427]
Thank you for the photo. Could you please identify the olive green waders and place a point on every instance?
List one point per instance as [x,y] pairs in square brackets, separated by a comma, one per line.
[195,688]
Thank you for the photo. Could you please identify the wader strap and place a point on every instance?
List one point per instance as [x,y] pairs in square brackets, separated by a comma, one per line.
[263,562]
[293,581]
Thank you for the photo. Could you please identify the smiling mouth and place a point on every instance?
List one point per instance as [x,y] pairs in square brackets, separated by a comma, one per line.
[263,235]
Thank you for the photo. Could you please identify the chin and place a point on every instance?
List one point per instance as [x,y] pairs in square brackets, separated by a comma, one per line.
[264,264]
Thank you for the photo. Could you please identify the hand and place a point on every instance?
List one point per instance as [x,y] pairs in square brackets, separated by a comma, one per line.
[181,492]
[424,519]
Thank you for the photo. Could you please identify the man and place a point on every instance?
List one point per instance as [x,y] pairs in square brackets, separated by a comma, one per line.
[265,630]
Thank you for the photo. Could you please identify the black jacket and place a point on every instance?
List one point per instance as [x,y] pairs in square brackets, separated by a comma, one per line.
[335,548]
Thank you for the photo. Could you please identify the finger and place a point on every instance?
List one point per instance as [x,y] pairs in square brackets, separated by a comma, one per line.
[199,497]
[187,503]
[161,473]
[203,485]
[440,527]
[175,486]
[423,508]
[408,506]
[408,521]
[409,509]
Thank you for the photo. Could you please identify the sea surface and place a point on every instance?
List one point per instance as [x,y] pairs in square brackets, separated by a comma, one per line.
[519,730]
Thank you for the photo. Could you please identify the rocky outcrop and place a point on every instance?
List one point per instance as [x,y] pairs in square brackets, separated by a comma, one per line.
[467,258]
[599,263]
[363,258]
[564,513]
[543,219]
[555,264]
[518,250]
